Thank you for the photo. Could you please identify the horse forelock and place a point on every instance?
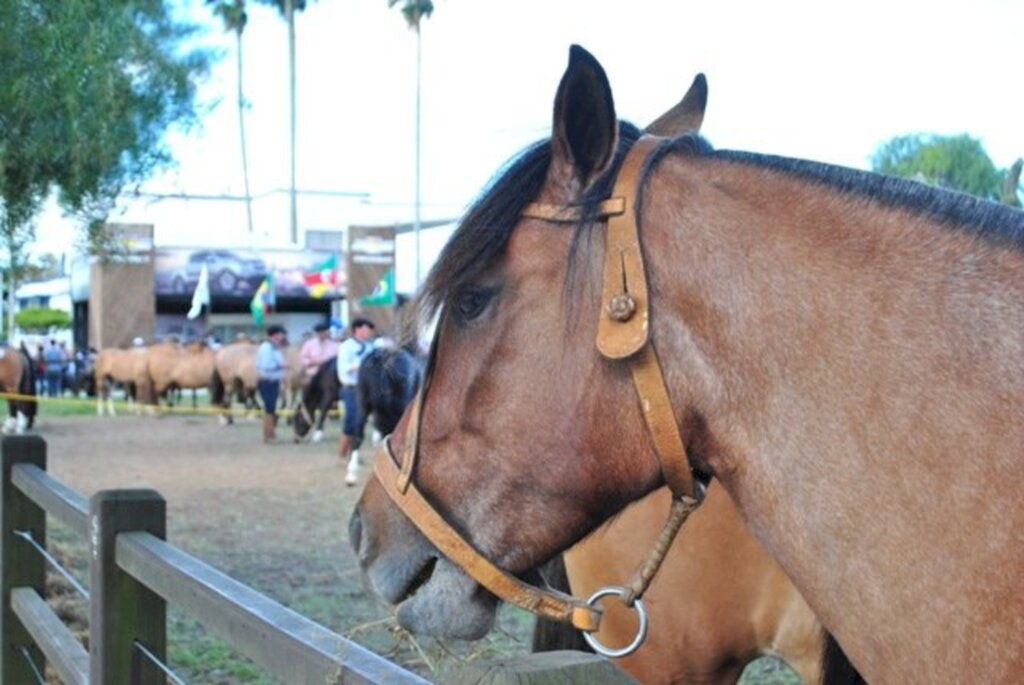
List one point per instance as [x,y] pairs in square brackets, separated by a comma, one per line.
[483,235]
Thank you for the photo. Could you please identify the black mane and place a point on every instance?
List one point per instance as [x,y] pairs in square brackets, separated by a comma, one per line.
[483,234]
[987,219]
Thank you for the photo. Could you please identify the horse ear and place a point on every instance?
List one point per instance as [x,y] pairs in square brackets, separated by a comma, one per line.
[585,131]
[687,115]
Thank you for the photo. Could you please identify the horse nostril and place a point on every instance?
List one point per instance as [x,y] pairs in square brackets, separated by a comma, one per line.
[355,531]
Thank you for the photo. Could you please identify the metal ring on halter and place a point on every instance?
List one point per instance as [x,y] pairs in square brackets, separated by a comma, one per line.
[641,633]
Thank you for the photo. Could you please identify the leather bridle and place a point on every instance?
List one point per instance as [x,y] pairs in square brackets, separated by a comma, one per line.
[623,334]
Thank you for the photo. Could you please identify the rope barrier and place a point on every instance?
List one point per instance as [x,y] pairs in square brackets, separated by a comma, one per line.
[138,406]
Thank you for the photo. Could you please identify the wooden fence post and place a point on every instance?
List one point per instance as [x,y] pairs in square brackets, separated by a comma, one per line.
[20,565]
[123,611]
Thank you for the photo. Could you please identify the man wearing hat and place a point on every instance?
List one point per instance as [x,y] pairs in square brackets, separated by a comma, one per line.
[317,350]
[350,355]
[269,371]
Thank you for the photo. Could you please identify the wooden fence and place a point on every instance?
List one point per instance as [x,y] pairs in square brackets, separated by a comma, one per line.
[134,574]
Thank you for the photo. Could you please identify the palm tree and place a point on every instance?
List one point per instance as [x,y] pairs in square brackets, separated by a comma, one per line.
[414,11]
[232,13]
[288,9]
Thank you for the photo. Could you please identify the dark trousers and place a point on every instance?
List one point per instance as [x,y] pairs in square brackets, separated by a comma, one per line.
[54,382]
[269,391]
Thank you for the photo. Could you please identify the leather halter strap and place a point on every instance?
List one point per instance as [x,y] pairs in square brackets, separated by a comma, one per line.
[547,603]
[623,334]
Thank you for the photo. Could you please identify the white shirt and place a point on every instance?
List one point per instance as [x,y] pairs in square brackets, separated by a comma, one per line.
[350,355]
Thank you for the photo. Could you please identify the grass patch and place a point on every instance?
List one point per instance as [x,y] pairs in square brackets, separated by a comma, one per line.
[198,657]
[67,406]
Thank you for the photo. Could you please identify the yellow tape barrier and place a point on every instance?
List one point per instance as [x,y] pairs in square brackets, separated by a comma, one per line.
[124,406]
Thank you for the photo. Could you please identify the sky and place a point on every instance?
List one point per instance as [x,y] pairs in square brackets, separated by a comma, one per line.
[818,80]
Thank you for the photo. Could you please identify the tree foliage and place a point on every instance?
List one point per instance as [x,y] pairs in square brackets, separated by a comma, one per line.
[954,162]
[414,11]
[41,319]
[88,89]
[1010,191]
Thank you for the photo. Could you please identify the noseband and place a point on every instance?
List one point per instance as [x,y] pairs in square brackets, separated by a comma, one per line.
[623,335]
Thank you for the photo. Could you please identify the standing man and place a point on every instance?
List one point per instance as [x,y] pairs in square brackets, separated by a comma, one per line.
[55,362]
[269,371]
[350,355]
[318,349]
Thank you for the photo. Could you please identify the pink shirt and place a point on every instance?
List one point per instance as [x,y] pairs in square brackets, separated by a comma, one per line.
[315,352]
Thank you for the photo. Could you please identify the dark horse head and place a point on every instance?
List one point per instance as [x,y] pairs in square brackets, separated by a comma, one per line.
[388,381]
[317,399]
[27,386]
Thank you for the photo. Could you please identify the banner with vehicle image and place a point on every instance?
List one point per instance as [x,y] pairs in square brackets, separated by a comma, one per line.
[236,274]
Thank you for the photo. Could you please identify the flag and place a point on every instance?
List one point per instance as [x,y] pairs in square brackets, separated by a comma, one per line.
[322,280]
[264,299]
[201,296]
[383,294]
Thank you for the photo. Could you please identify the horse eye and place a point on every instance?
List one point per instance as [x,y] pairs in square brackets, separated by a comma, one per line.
[471,303]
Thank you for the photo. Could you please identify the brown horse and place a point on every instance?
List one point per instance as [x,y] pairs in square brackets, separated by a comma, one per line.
[841,350]
[234,376]
[295,381]
[17,377]
[181,367]
[719,601]
[129,368]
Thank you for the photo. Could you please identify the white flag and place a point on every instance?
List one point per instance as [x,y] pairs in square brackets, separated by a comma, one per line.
[202,294]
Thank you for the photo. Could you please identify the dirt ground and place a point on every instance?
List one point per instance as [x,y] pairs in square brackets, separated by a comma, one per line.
[272,516]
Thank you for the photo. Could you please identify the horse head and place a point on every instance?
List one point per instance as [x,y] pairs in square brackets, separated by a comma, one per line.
[527,437]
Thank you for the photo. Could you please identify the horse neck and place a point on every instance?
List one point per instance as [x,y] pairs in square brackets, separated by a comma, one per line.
[857,375]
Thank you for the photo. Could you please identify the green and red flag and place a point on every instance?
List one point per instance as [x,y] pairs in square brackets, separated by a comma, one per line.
[322,280]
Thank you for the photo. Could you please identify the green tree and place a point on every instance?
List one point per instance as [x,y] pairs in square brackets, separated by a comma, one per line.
[44,267]
[1010,190]
[41,319]
[414,11]
[88,89]
[955,162]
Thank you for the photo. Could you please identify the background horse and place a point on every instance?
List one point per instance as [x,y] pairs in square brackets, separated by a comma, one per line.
[161,359]
[234,375]
[319,397]
[174,367]
[387,382]
[842,351]
[18,377]
[294,382]
[719,601]
[128,368]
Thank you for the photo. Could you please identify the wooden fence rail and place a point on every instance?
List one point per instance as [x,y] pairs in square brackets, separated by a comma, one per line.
[134,574]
